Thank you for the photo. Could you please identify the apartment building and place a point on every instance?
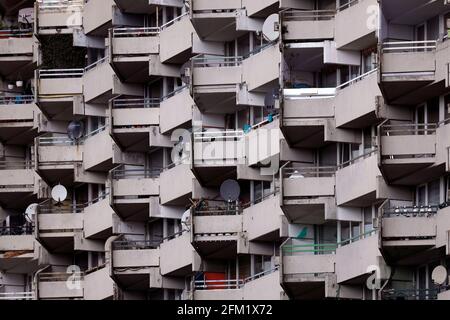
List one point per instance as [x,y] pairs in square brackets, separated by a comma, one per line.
[233,149]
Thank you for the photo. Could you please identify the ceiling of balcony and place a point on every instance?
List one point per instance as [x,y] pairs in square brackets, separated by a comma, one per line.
[412,12]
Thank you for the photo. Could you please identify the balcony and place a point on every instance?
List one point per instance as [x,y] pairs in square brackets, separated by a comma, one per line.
[406,150]
[17,119]
[358,102]
[179,193]
[18,183]
[18,249]
[179,41]
[218,21]
[58,91]
[60,285]
[179,264]
[132,120]
[261,286]
[263,142]
[264,220]
[56,226]
[176,110]
[261,68]
[215,228]
[132,262]
[99,16]
[131,49]
[101,84]
[16,53]
[407,232]
[214,82]
[301,25]
[98,284]
[56,157]
[99,218]
[364,254]
[406,69]
[146,6]
[216,155]
[356,25]
[308,194]
[307,268]
[132,190]
[359,181]
[14,296]
[99,151]
[56,17]
[305,115]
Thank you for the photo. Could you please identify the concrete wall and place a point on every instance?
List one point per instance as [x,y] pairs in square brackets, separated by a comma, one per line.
[171,191]
[135,258]
[357,180]
[176,253]
[176,111]
[135,187]
[98,217]
[263,218]
[218,224]
[98,285]
[357,100]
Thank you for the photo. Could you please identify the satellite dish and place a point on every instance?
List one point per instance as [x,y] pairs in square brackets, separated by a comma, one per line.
[30,211]
[59,193]
[230,190]
[185,219]
[185,72]
[439,275]
[271,29]
[75,130]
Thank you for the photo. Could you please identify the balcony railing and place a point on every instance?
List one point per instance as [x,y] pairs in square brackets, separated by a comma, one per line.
[15,165]
[59,4]
[135,103]
[216,208]
[349,4]
[408,129]
[230,283]
[61,276]
[55,141]
[411,211]
[212,61]
[27,295]
[171,22]
[408,46]
[16,33]
[357,159]
[409,294]
[96,64]
[136,244]
[210,136]
[127,173]
[308,172]
[26,229]
[308,93]
[308,15]
[15,100]
[60,73]
[315,248]
[47,207]
[356,79]
[135,32]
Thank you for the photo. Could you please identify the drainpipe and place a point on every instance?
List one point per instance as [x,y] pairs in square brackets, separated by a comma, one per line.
[109,255]
[36,283]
